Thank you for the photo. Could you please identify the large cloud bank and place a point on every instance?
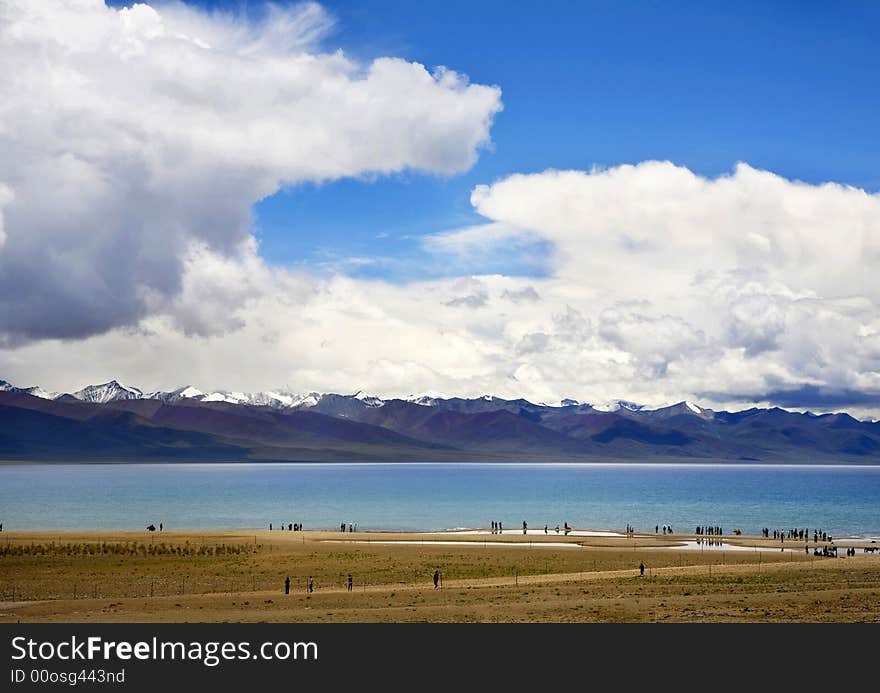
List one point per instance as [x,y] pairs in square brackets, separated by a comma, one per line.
[142,138]
[132,136]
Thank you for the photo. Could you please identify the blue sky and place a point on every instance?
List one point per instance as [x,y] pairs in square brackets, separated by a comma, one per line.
[789,87]
[140,238]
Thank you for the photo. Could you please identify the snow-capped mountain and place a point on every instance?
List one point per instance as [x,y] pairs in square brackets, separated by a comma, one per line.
[426,399]
[281,425]
[368,400]
[107,392]
[185,392]
[616,405]
[278,399]
[681,408]
[36,391]
[354,405]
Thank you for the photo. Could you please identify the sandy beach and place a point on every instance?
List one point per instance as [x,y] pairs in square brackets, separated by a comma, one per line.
[238,576]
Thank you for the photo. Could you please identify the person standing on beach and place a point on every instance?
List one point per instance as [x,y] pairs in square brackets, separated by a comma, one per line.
[311,584]
[287,585]
[642,569]
[525,527]
[436,578]
[350,582]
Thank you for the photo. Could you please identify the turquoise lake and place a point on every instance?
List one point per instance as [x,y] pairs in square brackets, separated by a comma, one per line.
[842,500]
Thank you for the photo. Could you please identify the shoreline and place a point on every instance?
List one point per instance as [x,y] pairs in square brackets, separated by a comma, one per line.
[459,536]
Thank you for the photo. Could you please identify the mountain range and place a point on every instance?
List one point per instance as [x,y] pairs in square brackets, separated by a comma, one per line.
[114,422]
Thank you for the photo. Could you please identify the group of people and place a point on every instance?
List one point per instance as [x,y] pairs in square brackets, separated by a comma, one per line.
[497,528]
[797,534]
[351,527]
[290,526]
[710,531]
[150,527]
[566,529]
[831,551]
[667,529]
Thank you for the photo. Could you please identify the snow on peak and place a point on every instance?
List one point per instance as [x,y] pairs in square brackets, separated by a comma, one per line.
[265,399]
[368,400]
[220,397]
[616,405]
[189,391]
[107,392]
[185,392]
[37,391]
[426,399]
[277,399]
[684,408]
[309,400]
[422,400]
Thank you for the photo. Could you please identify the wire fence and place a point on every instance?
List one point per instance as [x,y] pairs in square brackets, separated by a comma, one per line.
[147,587]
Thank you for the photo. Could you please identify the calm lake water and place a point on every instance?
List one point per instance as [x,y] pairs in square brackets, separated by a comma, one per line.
[844,501]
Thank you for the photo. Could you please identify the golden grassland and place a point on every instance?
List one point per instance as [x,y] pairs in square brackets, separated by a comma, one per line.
[238,577]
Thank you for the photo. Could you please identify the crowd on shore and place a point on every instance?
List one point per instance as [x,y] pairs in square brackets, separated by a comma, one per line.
[797,535]
[708,533]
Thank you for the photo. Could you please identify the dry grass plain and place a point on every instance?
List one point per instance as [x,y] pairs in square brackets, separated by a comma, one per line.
[238,577]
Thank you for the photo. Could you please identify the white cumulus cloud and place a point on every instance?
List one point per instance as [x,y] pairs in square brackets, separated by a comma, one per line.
[135,137]
[137,140]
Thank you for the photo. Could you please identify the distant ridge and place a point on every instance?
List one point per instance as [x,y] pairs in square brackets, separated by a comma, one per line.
[284,398]
[116,421]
